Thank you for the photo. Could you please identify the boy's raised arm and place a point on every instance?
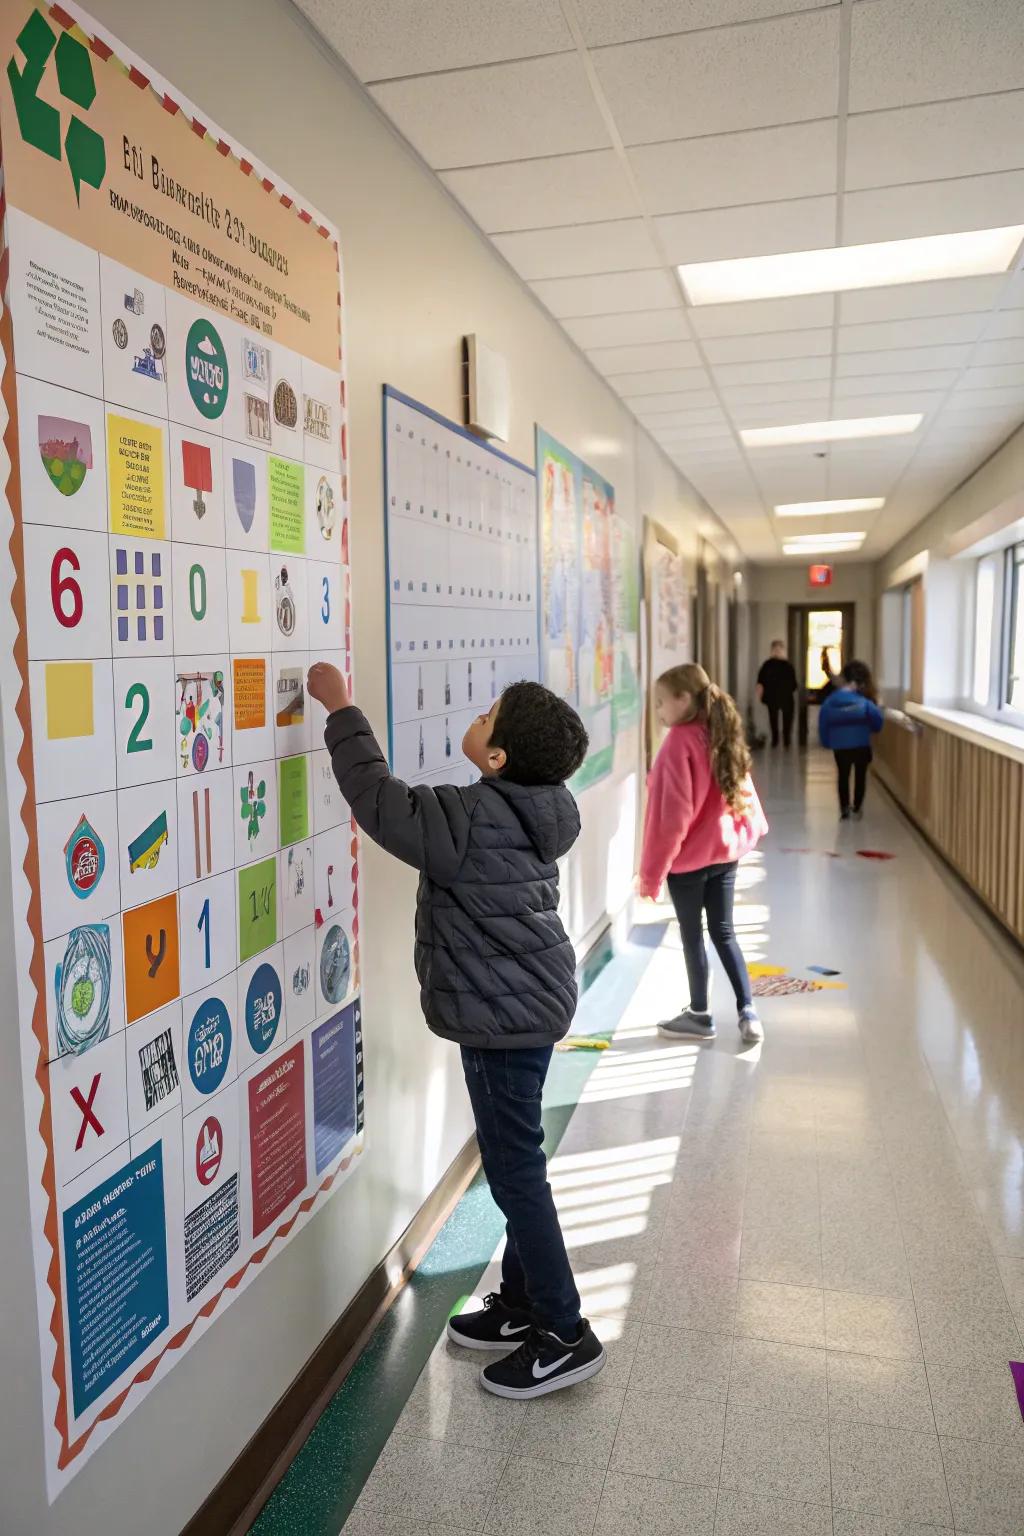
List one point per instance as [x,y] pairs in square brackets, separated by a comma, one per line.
[414,825]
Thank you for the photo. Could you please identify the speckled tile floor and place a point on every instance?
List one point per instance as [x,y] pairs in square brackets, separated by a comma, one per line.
[806,1258]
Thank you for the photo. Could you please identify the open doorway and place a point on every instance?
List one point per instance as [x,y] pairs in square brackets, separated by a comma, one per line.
[818,634]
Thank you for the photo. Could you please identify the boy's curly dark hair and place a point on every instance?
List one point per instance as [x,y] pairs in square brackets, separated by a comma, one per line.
[543,738]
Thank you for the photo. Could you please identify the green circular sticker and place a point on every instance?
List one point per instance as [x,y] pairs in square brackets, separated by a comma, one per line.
[206,368]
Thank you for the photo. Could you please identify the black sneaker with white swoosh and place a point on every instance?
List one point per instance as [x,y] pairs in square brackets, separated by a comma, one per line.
[545,1363]
[496,1327]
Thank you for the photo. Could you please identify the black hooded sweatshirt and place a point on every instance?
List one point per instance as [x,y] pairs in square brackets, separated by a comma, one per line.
[495,966]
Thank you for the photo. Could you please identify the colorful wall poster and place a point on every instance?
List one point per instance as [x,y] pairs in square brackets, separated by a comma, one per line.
[669,641]
[626,627]
[577,513]
[461,521]
[175,543]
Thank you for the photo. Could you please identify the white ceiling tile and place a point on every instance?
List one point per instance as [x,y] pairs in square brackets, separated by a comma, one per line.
[949,138]
[379,39]
[670,400]
[714,439]
[793,482]
[904,51]
[769,72]
[705,417]
[995,377]
[1007,324]
[804,398]
[910,301]
[798,160]
[913,360]
[622,245]
[785,370]
[762,229]
[656,381]
[761,315]
[887,396]
[978,405]
[645,358]
[933,207]
[984,400]
[555,189]
[721,468]
[992,353]
[766,413]
[612,21]
[608,293]
[501,112]
[626,330]
[740,349]
[934,330]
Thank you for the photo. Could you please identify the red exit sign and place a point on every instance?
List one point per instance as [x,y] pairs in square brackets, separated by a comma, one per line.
[820,575]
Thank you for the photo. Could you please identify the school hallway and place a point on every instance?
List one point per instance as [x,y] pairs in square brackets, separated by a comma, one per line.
[806,1258]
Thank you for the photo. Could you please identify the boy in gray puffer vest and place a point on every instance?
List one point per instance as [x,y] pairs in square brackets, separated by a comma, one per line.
[497,976]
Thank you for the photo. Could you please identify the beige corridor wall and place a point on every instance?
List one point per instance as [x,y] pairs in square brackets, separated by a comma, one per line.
[417,278]
[774,587]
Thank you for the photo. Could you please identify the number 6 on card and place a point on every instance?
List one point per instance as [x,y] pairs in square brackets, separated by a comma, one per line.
[68,590]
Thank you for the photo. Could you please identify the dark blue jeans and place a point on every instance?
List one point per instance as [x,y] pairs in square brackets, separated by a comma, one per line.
[709,890]
[505,1090]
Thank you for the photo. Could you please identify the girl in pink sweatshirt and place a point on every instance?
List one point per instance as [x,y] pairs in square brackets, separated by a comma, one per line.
[703,815]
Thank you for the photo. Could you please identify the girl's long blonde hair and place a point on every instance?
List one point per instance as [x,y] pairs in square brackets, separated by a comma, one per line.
[730,758]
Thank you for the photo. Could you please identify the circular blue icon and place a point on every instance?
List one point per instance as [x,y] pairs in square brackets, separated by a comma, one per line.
[209,1045]
[263,1008]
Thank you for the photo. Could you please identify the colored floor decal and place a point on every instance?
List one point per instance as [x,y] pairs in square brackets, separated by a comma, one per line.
[781,986]
[822,970]
[787,986]
[1017,1372]
[760,969]
[873,853]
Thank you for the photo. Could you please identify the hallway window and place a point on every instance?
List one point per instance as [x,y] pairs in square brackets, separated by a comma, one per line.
[984,627]
[1015,659]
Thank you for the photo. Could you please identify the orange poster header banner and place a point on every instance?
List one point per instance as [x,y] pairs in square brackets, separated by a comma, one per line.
[99,150]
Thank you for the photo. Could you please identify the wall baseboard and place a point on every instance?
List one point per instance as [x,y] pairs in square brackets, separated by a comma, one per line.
[237,1499]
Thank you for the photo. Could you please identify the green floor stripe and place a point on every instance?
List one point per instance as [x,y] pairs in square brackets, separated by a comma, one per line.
[317,1493]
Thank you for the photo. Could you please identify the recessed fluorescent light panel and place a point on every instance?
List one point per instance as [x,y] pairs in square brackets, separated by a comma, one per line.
[824,544]
[830,431]
[830,508]
[839,268]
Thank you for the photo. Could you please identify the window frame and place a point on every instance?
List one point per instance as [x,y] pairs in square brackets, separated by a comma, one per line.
[1012,597]
[1008,595]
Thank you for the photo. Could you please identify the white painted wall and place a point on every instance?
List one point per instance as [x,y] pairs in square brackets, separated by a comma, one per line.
[418,277]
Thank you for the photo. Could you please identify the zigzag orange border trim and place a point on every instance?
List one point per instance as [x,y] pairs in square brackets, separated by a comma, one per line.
[69,1451]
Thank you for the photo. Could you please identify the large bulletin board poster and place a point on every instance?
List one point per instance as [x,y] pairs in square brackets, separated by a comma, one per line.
[174,551]
[578,655]
[626,588]
[669,640]
[461,521]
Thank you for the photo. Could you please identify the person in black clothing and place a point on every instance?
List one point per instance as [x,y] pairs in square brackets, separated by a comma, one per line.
[776,688]
[497,976]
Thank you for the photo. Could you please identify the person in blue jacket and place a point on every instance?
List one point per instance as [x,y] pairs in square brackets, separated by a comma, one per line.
[848,719]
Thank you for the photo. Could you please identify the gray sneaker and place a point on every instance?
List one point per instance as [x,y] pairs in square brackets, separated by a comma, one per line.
[750,1026]
[694,1026]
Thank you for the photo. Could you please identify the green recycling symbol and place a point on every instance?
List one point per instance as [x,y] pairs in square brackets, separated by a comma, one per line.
[38,120]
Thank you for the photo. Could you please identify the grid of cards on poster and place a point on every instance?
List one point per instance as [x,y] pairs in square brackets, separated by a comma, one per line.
[462,586]
[185,557]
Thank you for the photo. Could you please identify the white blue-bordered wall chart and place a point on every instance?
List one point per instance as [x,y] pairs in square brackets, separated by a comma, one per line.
[461,521]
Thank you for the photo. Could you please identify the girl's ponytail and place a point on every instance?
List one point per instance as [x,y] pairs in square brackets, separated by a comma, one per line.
[727,742]
[730,756]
